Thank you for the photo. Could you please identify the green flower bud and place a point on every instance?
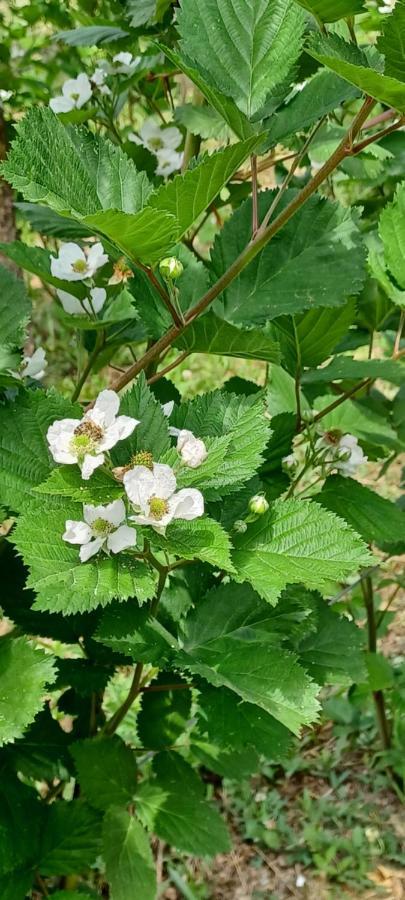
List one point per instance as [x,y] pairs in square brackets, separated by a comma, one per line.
[240,526]
[258,505]
[171,268]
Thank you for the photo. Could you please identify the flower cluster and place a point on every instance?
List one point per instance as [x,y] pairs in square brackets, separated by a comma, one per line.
[150,487]
[77,91]
[317,454]
[163,143]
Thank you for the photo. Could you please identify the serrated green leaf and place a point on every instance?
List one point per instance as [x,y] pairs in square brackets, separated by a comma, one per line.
[322,94]
[292,543]
[226,107]
[145,237]
[308,339]
[90,35]
[317,259]
[353,65]
[202,120]
[74,172]
[64,584]
[251,49]
[182,818]
[332,10]
[380,672]
[376,519]
[210,334]
[66,481]
[15,308]
[334,651]
[343,367]
[391,42]
[127,629]
[48,222]
[164,714]
[152,432]
[21,820]
[232,723]
[106,769]
[24,456]
[71,838]
[242,420]
[24,674]
[232,639]
[203,539]
[280,394]
[392,233]
[128,857]
[187,196]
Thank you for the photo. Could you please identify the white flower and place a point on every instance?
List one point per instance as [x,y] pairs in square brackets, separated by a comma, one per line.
[73,264]
[75,93]
[35,365]
[5,95]
[99,76]
[167,408]
[168,161]
[349,456]
[124,63]
[83,441]
[153,494]
[300,881]
[102,528]
[75,307]
[155,138]
[192,449]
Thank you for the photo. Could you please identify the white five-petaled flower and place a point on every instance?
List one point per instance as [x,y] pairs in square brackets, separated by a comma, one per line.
[192,449]
[156,501]
[168,162]
[124,63]
[73,264]
[75,307]
[84,441]
[163,143]
[75,93]
[349,456]
[34,366]
[102,528]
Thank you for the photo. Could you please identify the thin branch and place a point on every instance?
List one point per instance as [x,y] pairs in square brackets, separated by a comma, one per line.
[377,137]
[398,335]
[164,295]
[112,725]
[347,394]
[100,339]
[269,163]
[173,365]
[377,120]
[255,211]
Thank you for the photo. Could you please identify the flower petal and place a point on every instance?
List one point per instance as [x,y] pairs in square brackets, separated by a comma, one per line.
[122,538]
[61,104]
[106,408]
[187,504]
[98,298]
[90,549]
[70,304]
[76,532]
[114,512]
[90,463]
[164,481]
[117,431]
[139,484]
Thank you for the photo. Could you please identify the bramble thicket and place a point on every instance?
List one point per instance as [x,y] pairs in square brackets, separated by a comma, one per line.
[184,571]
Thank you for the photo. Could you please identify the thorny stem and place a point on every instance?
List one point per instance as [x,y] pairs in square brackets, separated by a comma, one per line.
[100,339]
[261,239]
[378,696]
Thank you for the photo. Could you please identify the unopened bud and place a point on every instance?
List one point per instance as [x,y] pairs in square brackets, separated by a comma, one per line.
[258,505]
[240,526]
[343,454]
[307,415]
[171,268]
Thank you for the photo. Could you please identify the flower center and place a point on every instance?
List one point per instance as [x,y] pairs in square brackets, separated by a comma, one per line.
[79,265]
[156,143]
[158,508]
[332,437]
[75,96]
[86,437]
[143,458]
[100,527]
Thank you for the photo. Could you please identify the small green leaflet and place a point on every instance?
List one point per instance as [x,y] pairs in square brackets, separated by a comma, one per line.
[183,817]
[64,584]
[144,237]
[66,481]
[376,519]
[164,714]
[203,539]
[391,43]
[202,120]
[24,456]
[232,723]
[392,233]
[187,196]
[90,35]
[334,652]
[251,49]
[321,94]
[128,857]
[353,65]
[127,629]
[24,675]
[308,339]
[232,639]
[293,543]
[332,10]
[210,334]
[71,838]
[343,367]
[106,770]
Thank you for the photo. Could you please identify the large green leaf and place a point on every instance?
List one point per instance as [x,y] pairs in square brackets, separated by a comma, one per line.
[187,196]
[203,539]
[134,632]
[334,651]
[15,308]
[352,64]
[392,233]
[226,107]
[71,838]
[391,43]
[24,674]
[232,723]
[316,260]
[62,582]
[73,171]
[172,805]
[293,543]
[378,520]
[24,456]
[210,334]
[164,714]
[308,339]
[106,770]
[251,49]
[232,639]
[145,237]
[128,857]
[343,367]
[322,94]
[332,10]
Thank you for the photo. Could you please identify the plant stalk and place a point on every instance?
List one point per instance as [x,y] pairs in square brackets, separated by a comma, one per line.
[378,696]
